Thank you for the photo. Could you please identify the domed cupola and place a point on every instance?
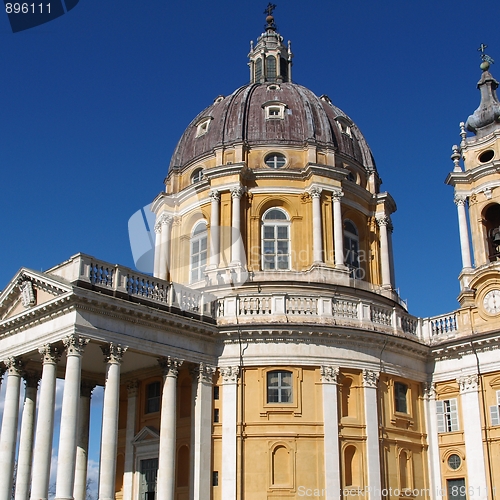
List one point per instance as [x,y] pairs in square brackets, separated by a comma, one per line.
[274,184]
[486,118]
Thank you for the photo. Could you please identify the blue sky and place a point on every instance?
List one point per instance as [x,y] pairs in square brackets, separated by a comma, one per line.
[94,102]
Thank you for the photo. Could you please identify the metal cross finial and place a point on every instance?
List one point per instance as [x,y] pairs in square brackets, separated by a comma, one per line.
[485,57]
[269,9]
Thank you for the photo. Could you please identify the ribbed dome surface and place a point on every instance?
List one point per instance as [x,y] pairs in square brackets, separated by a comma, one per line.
[240,117]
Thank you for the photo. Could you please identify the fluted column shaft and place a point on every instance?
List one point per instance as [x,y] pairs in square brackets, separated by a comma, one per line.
[370,381]
[25,454]
[236,242]
[44,424]
[166,227]
[432,438]
[333,484]
[128,475]
[463,231]
[338,230]
[80,488]
[66,459]
[157,258]
[316,223]
[8,435]
[109,442]
[385,262]
[214,228]
[229,428]
[166,458]
[202,428]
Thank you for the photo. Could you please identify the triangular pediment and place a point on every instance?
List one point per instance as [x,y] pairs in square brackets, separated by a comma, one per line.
[448,389]
[146,434]
[28,290]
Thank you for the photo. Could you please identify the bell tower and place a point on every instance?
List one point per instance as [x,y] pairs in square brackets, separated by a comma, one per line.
[476,180]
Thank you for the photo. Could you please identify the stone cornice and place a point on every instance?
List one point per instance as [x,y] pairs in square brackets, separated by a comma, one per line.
[459,347]
[456,178]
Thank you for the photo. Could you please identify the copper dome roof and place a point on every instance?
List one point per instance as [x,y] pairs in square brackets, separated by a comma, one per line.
[241,117]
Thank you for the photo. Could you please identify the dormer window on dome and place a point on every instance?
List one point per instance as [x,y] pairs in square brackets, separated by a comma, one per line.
[274,109]
[275,160]
[344,125]
[202,126]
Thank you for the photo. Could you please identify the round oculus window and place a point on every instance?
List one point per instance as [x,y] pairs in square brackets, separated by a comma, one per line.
[486,156]
[275,160]
[454,462]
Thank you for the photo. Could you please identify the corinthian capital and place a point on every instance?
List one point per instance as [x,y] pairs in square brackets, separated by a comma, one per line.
[113,353]
[237,192]
[170,366]
[370,378]
[229,374]
[337,195]
[468,383]
[459,200]
[164,219]
[50,354]
[14,366]
[203,373]
[214,195]
[75,345]
[329,374]
[315,192]
[384,220]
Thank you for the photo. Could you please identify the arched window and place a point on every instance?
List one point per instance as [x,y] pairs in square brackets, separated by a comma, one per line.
[347,400]
[198,257]
[492,223]
[271,68]
[351,248]
[275,240]
[197,176]
[279,386]
[258,70]
[183,466]
[284,69]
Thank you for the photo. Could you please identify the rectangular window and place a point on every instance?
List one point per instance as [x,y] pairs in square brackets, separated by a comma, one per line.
[216,415]
[495,411]
[400,392]
[279,387]
[456,489]
[216,392]
[447,414]
[153,393]
[149,472]
[215,478]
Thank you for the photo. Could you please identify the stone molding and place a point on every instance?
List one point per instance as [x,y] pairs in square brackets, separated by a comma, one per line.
[468,383]
[329,374]
[75,345]
[229,374]
[113,353]
[170,366]
[370,378]
[50,354]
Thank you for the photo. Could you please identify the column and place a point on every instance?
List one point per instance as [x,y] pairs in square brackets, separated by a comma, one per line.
[166,460]
[383,221]
[166,225]
[473,434]
[464,231]
[80,488]
[370,379]
[214,228]
[66,458]
[8,435]
[113,355]
[25,454]
[157,259]
[236,241]
[338,230]
[229,427]
[432,438]
[390,229]
[42,453]
[128,476]
[333,484]
[315,193]
[203,432]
